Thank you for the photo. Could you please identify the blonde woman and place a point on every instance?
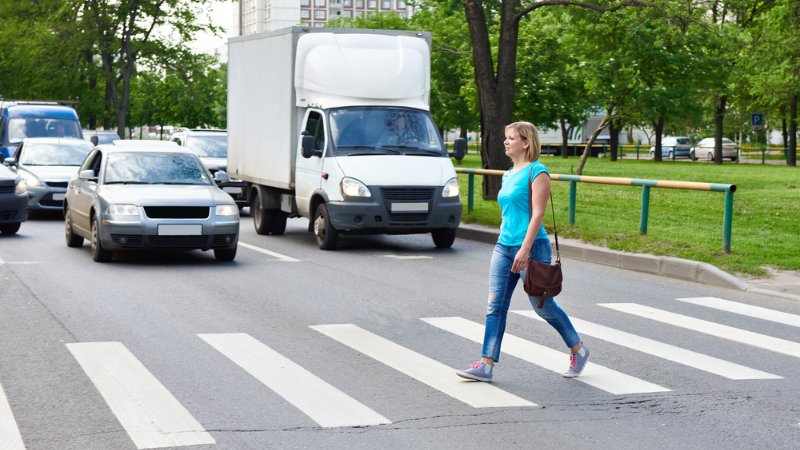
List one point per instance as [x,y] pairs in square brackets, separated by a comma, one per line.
[522,235]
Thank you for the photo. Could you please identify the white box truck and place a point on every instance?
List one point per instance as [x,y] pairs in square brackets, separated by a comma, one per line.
[334,125]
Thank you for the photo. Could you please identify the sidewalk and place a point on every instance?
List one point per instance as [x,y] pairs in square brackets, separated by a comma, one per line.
[785,284]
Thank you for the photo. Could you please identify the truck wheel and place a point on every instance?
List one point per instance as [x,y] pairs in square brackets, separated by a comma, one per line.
[73,240]
[99,254]
[277,221]
[443,237]
[326,235]
[258,213]
[9,228]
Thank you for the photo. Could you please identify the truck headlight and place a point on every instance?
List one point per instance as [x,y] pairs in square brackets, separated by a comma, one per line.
[450,188]
[20,189]
[227,210]
[122,210]
[354,188]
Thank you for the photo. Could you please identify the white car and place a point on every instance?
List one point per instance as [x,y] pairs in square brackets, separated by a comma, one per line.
[705,150]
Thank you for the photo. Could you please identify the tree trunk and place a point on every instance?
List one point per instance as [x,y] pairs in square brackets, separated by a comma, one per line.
[792,156]
[613,132]
[719,119]
[785,131]
[659,129]
[587,150]
[564,139]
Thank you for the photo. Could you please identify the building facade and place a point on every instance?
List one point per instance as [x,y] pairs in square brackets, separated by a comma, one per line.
[255,16]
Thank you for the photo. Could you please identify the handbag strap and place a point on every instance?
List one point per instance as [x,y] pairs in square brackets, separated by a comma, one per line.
[552,208]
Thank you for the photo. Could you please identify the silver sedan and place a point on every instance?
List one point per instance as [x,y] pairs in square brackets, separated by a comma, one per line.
[141,195]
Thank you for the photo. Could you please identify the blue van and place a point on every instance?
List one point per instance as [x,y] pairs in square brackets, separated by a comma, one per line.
[20,120]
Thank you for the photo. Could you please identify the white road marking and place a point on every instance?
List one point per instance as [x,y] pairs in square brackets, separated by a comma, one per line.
[593,374]
[421,368]
[151,416]
[745,310]
[714,329]
[408,256]
[672,353]
[10,439]
[275,255]
[323,403]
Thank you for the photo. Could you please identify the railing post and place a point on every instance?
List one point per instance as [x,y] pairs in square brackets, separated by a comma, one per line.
[471,193]
[645,209]
[573,185]
[727,221]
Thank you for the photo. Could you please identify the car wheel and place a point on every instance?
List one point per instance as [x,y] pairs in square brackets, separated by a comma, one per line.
[73,240]
[99,254]
[225,254]
[652,155]
[710,156]
[326,235]
[10,228]
[443,237]
[692,156]
[669,155]
[734,158]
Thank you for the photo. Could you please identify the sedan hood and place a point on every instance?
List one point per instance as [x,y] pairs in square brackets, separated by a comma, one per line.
[165,195]
[52,173]
[397,170]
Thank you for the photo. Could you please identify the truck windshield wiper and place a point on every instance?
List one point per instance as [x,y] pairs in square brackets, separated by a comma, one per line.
[373,150]
[427,151]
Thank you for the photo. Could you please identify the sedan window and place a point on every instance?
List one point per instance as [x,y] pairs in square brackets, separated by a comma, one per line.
[154,168]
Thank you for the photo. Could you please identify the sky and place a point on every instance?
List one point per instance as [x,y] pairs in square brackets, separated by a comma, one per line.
[221,15]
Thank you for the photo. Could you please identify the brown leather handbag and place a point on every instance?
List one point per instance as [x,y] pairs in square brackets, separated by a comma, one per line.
[543,279]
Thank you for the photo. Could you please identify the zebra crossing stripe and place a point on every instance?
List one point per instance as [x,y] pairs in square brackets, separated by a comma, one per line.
[147,411]
[323,403]
[672,353]
[422,368]
[595,375]
[10,438]
[745,310]
[714,329]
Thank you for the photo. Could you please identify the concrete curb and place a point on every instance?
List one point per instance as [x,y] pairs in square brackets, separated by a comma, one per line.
[683,269]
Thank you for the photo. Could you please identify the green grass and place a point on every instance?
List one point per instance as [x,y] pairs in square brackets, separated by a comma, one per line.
[682,223]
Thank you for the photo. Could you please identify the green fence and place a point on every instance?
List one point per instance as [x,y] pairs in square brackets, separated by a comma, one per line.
[646,185]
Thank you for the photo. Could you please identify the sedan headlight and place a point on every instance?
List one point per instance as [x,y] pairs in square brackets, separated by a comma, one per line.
[450,188]
[354,188]
[20,189]
[227,210]
[122,210]
[30,179]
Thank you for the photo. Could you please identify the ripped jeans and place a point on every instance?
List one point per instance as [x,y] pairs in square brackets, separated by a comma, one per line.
[502,282]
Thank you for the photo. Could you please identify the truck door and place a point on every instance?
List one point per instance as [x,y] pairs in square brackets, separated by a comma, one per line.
[308,171]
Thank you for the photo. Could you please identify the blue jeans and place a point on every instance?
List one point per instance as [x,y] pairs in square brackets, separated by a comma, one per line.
[502,282]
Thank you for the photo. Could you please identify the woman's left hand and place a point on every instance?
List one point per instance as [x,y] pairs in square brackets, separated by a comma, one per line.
[520,260]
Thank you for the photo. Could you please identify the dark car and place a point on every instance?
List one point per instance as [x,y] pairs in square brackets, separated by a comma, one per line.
[13,201]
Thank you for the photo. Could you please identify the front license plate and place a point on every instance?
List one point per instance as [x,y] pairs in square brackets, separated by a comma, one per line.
[58,196]
[180,230]
[232,190]
[409,207]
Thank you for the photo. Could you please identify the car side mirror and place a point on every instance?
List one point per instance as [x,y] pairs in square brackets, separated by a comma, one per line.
[308,146]
[221,177]
[87,175]
[10,162]
[460,145]
[94,139]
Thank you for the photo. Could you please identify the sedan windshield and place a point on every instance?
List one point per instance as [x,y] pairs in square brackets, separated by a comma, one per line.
[61,154]
[384,130]
[154,168]
[208,146]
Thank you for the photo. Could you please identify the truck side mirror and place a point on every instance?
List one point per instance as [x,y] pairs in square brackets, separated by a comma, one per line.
[308,146]
[94,139]
[460,145]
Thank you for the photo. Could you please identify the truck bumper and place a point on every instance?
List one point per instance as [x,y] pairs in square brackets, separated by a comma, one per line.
[395,216]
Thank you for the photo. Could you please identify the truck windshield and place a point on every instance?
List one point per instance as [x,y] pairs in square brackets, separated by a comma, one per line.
[20,128]
[384,130]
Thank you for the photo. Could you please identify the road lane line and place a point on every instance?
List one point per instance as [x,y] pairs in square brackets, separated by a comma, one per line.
[323,403]
[421,368]
[714,329]
[405,257]
[10,439]
[595,375]
[672,353]
[147,411]
[275,255]
[745,310]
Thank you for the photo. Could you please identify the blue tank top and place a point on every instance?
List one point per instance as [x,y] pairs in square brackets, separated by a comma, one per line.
[515,204]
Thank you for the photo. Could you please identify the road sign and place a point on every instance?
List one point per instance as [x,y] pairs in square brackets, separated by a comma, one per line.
[757,121]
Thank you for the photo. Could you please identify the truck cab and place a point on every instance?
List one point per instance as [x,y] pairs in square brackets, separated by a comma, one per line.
[24,119]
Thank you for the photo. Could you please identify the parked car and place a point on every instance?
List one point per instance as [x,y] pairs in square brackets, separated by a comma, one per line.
[673,147]
[132,195]
[21,119]
[13,202]
[46,165]
[103,136]
[211,145]
[705,150]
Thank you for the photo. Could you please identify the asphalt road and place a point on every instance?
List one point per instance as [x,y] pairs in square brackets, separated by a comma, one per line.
[293,347]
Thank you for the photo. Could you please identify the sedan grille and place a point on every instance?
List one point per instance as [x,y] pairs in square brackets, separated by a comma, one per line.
[7,189]
[134,241]
[60,184]
[177,212]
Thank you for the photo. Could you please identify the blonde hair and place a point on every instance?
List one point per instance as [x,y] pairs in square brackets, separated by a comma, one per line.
[528,131]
